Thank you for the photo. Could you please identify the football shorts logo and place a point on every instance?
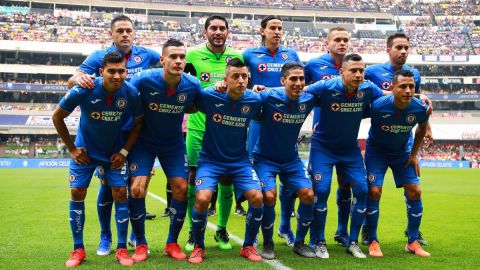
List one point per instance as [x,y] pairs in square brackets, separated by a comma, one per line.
[227,59]
[262,184]
[199,182]
[137,59]
[371,178]
[410,118]
[153,106]
[217,118]
[181,97]
[205,76]
[101,171]
[335,107]
[302,107]
[360,95]
[318,177]
[72,178]
[385,128]
[245,109]
[96,115]
[262,67]
[133,167]
[277,117]
[284,56]
[121,103]
[386,85]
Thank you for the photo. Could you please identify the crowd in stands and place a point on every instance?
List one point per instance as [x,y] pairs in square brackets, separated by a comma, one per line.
[28,107]
[39,147]
[452,151]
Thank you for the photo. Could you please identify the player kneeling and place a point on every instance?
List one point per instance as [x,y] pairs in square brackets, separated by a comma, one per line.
[99,142]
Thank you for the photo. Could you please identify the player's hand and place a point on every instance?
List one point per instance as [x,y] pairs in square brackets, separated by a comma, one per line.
[426,100]
[79,155]
[118,160]
[413,160]
[258,88]
[428,139]
[220,86]
[86,81]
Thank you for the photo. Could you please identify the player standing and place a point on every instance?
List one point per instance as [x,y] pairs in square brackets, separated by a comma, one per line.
[388,145]
[207,62]
[265,63]
[275,153]
[324,67]
[137,59]
[224,154]
[99,142]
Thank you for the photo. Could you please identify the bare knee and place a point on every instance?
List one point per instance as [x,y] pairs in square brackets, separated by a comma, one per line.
[270,197]
[305,195]
[375,193]
[119,194]
[413,192]
[78,194]
[202,200]
[138,186]
[179,188]
[254,197]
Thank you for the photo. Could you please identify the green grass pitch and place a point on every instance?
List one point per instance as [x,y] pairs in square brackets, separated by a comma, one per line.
[35,233]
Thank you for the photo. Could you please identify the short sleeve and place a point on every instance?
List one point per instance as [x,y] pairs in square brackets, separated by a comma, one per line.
[91,65]
[73,98]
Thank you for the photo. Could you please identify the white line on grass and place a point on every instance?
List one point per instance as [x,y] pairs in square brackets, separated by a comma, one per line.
[277,265]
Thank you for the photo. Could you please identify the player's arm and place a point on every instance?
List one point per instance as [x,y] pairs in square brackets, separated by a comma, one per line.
[118,159]
[82,79]
[78,154]
[420,132]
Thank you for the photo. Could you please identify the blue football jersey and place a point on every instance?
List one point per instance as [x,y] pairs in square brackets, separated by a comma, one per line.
[342,113]
[382,75]
[164,108]
[101,123]
[390,130]
[265,68]
[282,119]
[226,124]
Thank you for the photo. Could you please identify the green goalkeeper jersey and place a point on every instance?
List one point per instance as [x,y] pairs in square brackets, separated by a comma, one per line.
[209,68]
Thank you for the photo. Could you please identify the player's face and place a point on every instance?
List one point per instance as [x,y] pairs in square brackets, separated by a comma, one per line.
[122,35]
[353,74]
[398,53]
[173,60]
[273,32]
[294,83]
[404,89]
[216,33]
[337,43]
[114,75]
[237,80]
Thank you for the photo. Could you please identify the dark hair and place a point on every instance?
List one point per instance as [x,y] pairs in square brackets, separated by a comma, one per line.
[112,57]
[264,22]
[172,43]
[351,57]
[289,66]
[403,73]
[235,62]
[394,36]
[215,17]
[120,18]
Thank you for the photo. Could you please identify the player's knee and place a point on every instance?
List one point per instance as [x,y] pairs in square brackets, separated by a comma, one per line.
[255,198]
[119,194]
[78,194]
[202,201]
[375,193]
[322,193]
[179,190]
[306,196]
[270,197]
[414,193]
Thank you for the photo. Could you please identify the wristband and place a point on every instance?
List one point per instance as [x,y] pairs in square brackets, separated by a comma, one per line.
[124,152]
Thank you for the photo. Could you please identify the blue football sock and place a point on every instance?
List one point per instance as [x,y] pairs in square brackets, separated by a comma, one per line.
[305,216]
[317,228]
[77,221]
[373,213]
[414,212]
[343,203]
[268,222]
[178,210]
[286,208]
[199,222]
[104,209]
[359,207]
[253,222]
[121,220]
[137,218]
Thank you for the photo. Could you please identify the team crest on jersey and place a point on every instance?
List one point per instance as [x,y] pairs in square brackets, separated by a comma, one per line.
[217,118]
[95,115]
[205,76]
[153,106]
[335,107]
[277,116]
[72,178]
[121,103]
[181,97]
[133,167]
[245,109]
[318,177]
[302,107]
[360,94]
[137,59]
[371,178]
[199,182]
[101,171]
[262,67]
[386,85]
[284,56]
[262,184]
[385,128]
[410,118]
[227,59]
